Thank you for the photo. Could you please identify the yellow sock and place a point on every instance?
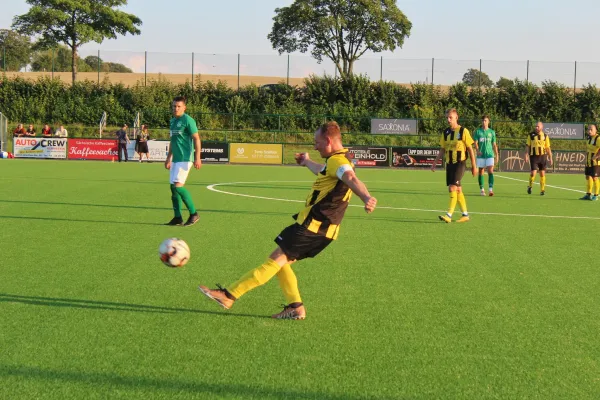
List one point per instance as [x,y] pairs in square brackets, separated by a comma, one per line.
[254,278]
[531,179]
[542,183]
[462,203]
[588,185]
[596,187]
[289,284]
[452,205]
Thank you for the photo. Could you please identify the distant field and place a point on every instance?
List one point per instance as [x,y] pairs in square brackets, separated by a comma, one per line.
[130,79]
[402,306]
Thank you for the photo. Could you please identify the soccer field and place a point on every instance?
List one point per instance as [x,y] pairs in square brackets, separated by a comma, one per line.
[401,306]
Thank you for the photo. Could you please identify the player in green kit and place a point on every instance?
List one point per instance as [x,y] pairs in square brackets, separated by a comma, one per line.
[184,152]
[487,149]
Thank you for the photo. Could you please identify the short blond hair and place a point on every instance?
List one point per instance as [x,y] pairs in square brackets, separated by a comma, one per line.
[331,129]
[451,110]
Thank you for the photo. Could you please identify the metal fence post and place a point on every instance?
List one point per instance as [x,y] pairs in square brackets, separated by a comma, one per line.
[480,74]
[381,70]
[98,67]
[238,72]
[432,68]
[4,58]
[145,66]
[527,71]
[288,69]
[53,63]
[575,79]
[192,70]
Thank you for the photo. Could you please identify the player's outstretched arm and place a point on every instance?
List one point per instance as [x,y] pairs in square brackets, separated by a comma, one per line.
[359,189]
[304,160]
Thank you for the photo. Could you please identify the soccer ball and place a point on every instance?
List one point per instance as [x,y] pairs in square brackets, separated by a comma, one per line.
[174,252]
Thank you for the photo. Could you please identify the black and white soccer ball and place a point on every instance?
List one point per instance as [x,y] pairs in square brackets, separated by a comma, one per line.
[174,252]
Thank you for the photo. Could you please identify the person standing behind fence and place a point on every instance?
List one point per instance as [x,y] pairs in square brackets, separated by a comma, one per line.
[47,131]
[62,132]
[30,131]
[122,140]
[485,145]
[592,165]
[455,142]
[142,143]
[538,153]
[19,131]
[184,147]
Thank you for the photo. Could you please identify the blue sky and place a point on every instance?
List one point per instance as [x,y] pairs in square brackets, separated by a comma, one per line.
[509,30]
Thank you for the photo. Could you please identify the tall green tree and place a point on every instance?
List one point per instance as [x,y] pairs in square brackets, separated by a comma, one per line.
[474,77]
[16,48]
[75,22]
[341,30]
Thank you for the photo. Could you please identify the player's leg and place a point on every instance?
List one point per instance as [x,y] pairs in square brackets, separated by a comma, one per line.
[589,183]
[451,183]
[182,172]
[481,167]
[534,169]
[596,171]
[462,202]
[175,198]
[490,171]
[542,182]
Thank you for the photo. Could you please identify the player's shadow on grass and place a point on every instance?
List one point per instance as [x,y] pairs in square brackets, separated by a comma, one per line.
[99,382]
[112,306]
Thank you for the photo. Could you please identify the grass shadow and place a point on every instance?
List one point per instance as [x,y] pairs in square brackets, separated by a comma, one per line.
[110,381]
[112,306]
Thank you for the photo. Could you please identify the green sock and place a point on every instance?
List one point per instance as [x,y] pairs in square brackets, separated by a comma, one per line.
[480,181]
[491,180]
[176,199]
[187,199]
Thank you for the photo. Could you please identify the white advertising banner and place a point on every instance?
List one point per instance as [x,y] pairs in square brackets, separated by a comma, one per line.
[40,147]
[157,150]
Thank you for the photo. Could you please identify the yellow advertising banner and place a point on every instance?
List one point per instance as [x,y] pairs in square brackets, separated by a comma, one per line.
[255,153]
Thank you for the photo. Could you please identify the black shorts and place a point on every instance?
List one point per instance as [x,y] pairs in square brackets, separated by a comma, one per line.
[454,173]
[593,171]
[297,242]
[538,162]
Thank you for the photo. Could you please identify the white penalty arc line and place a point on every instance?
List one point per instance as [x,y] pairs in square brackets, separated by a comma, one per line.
[214,189]
[552,186]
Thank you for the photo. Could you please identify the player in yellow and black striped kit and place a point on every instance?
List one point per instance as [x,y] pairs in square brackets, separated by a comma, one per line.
[538,153]
[316,226]
[592,164]
[455,143]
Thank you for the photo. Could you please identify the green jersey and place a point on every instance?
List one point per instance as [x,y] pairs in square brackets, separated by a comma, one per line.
[485,140]
[182,145]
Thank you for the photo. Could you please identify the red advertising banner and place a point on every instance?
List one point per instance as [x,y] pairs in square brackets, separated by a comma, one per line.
[92,149]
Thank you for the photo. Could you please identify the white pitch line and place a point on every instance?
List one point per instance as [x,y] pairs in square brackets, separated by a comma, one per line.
[212,188]
[552,186]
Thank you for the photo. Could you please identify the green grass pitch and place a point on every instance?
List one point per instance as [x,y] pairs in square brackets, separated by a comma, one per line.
[401,306]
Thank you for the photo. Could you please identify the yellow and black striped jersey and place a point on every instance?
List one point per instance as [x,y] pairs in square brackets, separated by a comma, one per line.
[328,200]
[455,143]
[538,143]
[592,147]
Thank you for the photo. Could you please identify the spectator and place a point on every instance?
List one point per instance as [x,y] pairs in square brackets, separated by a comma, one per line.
[30,131]
[123,141]
[47,131]
[142,143]
[19,131]
[62,132]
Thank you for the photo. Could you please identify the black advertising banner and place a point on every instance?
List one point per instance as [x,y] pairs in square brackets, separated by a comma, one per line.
[215,152]
[415,157]
[366,156]
[569,162]
[513,161]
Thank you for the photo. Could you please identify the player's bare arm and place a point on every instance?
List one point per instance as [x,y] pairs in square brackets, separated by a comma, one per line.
[197,150]
[168,160]
[473,163]
[496,151]
[550,155]
[477,148]
[527,153]
[304,160]
[438,157]
[359,189]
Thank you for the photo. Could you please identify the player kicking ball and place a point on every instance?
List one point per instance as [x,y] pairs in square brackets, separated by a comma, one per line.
[316,226]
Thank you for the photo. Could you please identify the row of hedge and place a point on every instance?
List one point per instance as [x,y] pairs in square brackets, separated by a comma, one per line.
[513,107]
